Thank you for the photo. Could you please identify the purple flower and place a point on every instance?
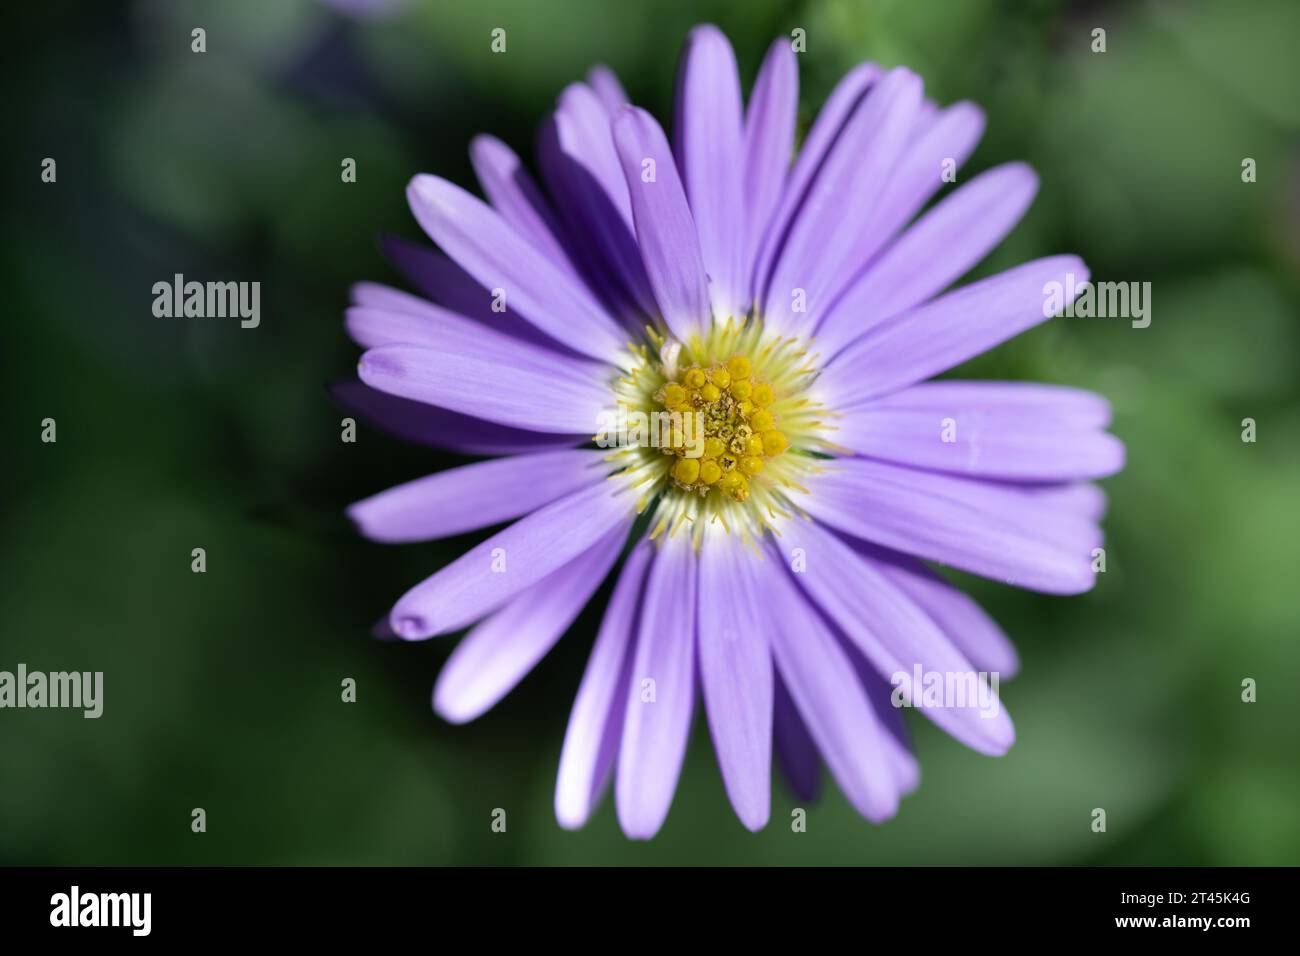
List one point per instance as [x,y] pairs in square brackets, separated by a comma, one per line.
[750,338]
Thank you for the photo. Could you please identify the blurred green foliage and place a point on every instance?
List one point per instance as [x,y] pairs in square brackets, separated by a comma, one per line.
[222,690]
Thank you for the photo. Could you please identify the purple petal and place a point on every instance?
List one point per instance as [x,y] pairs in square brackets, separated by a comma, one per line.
[964,622]
[475,496]
[596,724]
[1080,498]
[839,106]
[534,390]
[935,337]
[890,630]
[898,748]
[661,694]
[795,751]
[489,249]
[827,693]
[441,280]
[511,561]
[450,286]
[977,526]
[665,231]
[418,321]
[947,135]
[376,295]
[736,675]
[579,163]
[494,656]
[384,316]
[769,144]
[709,141]
[941,247]
[607,87]
[1014,431]
[585,129]
[373,328]
[1071,407]
[820,248]
[515,195]
[429,425]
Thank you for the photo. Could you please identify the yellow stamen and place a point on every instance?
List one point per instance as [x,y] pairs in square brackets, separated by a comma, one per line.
[687,470]
[739,366]
[774,443]
[739,400]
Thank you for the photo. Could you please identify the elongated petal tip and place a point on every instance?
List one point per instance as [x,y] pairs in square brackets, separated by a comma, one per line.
[1070,265]
[1022,171]
[1005,737]
[424,187]
[372,362]
[755,816]
[429,196]
[992,734]
[634,120]
[603,80]
[356,515]
[455,705]
[379,367]
[638,824]
[411,627]
[970,115]
[483,146]
[882,806]
[574,804]
[907,773]
[910,84]
[706,31]
[569,818]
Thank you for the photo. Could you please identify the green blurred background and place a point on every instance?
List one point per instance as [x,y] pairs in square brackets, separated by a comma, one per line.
[223,689]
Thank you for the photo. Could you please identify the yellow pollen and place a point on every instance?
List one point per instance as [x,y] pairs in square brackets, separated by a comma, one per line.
[740,367]
[730,426]
[735,440]
[774,443]
[687,470]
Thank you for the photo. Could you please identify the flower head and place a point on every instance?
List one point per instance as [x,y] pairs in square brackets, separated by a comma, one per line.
[768,329]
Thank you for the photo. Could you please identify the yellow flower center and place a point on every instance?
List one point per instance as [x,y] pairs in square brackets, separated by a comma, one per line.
[733,416]
[739,427]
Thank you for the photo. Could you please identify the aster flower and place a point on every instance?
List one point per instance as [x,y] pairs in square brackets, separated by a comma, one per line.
[776,560]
